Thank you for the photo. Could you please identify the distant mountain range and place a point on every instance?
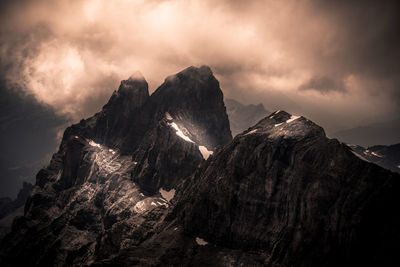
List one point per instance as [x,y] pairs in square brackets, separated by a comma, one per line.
[387,157]
[157,180]
[385,133]
[241,117]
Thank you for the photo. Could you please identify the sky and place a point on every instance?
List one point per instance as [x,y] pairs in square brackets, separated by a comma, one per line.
[335,62]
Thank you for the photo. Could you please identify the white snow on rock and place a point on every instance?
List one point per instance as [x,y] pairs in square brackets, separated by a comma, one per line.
[205,152]
[201,241]
[167,195]
[251,132]
[168,116]
[179,132]
[140,207]
[153,204]
[292,118]
[94,144]
[276,125]
[376,155]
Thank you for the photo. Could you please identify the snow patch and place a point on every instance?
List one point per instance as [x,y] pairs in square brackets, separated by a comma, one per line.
[179,132]
[376,155]
[205,152]
[167,195]
[168,116]
[140,207]
[201,241]
[292,118]
[251,132]
[276,125]
[94,144]
[153,204]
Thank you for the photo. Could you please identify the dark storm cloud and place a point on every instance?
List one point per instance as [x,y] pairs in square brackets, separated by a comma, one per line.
[72,54]
[323,85]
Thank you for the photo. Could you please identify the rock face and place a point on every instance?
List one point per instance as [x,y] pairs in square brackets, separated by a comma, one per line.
[188,110]
[86,205]
[284,188]
[241,117]
[131,186]
[387,157]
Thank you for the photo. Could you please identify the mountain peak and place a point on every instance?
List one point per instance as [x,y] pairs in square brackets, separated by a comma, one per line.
[194,98]
[136,76]
[202,73]
[134,90]
[283,124]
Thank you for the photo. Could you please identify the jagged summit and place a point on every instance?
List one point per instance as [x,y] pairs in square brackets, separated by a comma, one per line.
[283,124]
[134,89]
[193,98]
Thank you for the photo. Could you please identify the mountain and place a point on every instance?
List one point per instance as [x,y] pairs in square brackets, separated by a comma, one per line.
[85,206]
[241,117]
[156,180]
[387,157]
[385,133]
[284,188]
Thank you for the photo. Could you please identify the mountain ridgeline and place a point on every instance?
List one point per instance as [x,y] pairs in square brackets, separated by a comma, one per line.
[156,180]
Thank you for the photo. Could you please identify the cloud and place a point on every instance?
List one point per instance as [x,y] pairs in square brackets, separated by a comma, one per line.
[72,54]
[324,85]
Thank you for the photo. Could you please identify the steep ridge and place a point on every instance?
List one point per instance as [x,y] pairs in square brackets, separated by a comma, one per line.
[284,188]
[85,206]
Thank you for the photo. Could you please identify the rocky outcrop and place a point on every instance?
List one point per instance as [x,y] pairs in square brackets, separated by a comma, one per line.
[241,117]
